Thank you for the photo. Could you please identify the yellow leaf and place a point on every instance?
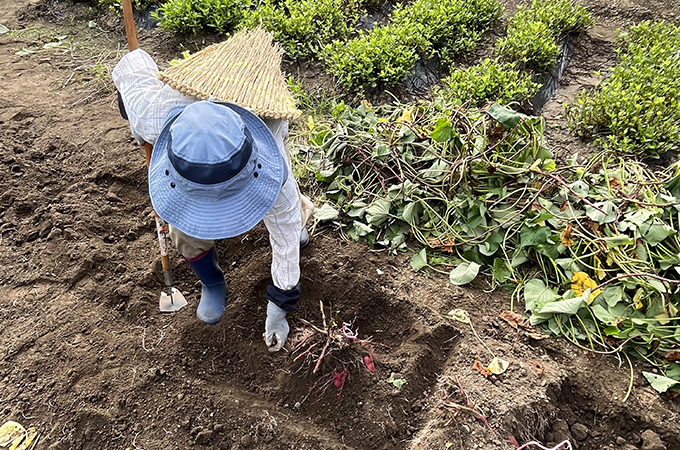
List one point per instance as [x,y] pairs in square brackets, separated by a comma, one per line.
[581,282]
[185,55]
[497,366]
[598,268]
[310,122]
[367,104]
[11,433]
[535,167]
[460,315]
[662,318]
[406,116]
[382,120]
[566,239]
[637,299]
[29,443]
[610,260]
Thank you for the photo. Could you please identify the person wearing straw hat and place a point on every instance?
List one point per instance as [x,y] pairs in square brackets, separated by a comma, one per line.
[216,171]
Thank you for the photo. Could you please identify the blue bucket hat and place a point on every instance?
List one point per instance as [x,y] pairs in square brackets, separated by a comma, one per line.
[215,170]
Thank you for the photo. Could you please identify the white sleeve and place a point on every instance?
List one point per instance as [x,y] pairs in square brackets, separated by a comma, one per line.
[147,99]
[284,221]
[284,224]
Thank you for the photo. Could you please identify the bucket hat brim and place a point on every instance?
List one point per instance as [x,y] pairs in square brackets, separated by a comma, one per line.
[212,217]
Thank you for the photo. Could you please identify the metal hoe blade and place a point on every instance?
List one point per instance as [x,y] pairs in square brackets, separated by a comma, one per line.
[171,302]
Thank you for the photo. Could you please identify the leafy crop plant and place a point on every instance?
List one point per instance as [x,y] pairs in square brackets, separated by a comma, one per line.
[533,35]
[592,249]
[637,108]
[304,27]
[489,81]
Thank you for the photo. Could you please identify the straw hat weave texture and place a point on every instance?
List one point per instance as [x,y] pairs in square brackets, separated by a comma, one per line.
[244,70]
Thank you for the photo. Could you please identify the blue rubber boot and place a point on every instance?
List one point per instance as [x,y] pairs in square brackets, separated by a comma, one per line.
[304,238]
[214,288]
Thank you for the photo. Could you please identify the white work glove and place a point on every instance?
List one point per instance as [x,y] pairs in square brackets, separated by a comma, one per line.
[275,328]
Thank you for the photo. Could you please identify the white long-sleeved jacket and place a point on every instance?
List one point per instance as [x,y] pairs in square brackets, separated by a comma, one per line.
[148,101]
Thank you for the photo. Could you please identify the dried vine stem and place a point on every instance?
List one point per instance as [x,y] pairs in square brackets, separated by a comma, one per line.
[328,340]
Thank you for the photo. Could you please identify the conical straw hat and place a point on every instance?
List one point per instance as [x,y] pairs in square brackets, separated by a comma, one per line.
[245,70]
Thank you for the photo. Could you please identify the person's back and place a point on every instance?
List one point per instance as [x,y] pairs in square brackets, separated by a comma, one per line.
[217,170]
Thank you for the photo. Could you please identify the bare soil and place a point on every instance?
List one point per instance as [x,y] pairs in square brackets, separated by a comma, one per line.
[87,358]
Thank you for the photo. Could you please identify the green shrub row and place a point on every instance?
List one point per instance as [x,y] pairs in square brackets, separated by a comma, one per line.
[448,27]
[384,54]
[533,33]
[637,108]
[192,16]
[561,16]
[304,27]
[381,56]
[491,80]
[531,45]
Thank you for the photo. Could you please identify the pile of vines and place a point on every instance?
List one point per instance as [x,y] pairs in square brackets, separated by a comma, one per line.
[591,247]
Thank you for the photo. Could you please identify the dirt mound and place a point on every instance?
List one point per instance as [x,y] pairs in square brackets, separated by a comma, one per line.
[88,359]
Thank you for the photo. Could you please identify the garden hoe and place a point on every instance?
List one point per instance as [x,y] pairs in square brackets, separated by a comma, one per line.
[174,300]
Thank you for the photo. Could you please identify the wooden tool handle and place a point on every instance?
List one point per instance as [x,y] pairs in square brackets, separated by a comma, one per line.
[165,261]
[148,148]
[129,25]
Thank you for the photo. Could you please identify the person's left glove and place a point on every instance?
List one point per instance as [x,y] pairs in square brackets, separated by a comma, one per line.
[275,328]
